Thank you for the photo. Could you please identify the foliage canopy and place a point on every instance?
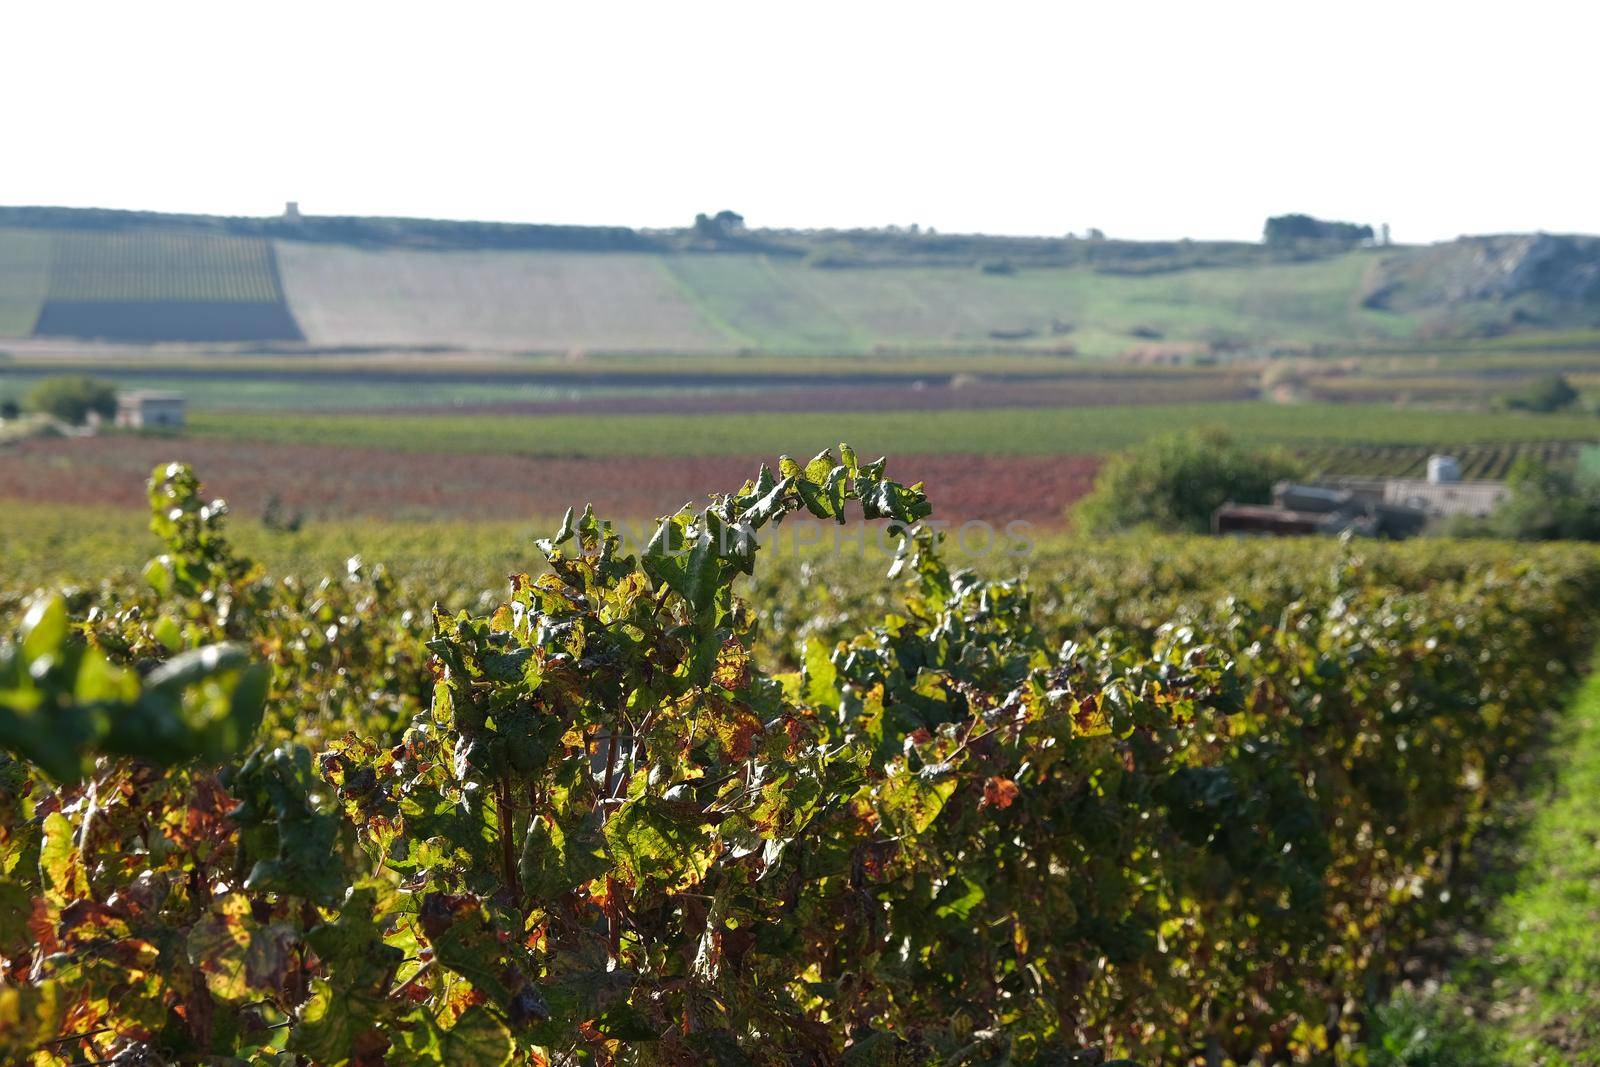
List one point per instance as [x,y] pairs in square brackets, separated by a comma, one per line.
[71,399]
[1175,483]
[1551,392]
[299,823]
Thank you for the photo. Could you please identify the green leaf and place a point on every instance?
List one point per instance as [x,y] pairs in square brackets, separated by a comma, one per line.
[61,874]
[241,959]
[333,1025]
[821,677]
[821,487]
[292,825]
[555,862]
[352,947]
[44,628]
[770,504]
[531,738]
[470,947]
[204,704]
[167,631]
[688,562]
[911,802]
[547,545]
[30,1015]
[958,898]
[16,902]
[158,574]
[653,841]
[477,1039]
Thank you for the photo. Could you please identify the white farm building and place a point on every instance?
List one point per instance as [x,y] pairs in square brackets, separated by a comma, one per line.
[144,409]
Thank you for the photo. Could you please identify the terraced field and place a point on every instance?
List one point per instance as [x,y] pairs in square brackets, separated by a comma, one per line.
[24,279]
[534,300]
[1478,462]
[143,285]
[161,265]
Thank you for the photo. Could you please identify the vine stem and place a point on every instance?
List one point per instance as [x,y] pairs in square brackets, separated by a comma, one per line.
[611,759]
[418,973]
[90,810]
[635,751]
[508,844]
[73,1037]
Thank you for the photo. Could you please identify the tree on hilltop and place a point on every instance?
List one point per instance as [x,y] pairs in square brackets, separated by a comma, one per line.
[722,224]
[1288,229]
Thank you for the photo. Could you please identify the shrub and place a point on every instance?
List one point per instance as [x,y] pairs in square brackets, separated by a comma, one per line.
[1175,483]
[1550,393]
[835,255]
[1546,504]
[72,399]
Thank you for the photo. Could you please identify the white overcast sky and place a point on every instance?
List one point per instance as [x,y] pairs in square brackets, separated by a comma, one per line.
[1145,119]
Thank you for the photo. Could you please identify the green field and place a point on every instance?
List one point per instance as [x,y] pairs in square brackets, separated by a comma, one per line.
[1023,431]
[785,305]
[311,391]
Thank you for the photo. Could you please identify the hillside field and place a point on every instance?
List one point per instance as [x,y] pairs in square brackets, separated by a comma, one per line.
[141,286]
[555,300]
[24,279]
[495,299]
[786,305]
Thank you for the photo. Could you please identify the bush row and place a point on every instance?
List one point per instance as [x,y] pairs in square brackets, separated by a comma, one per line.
[248,820]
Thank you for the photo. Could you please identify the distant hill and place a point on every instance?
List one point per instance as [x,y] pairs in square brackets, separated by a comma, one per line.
[891,246]
[719,286]
[338,229]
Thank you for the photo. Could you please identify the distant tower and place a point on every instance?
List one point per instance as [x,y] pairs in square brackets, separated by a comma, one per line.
[291,211]
[1383,235]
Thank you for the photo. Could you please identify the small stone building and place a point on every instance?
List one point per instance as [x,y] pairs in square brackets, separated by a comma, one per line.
[144,409]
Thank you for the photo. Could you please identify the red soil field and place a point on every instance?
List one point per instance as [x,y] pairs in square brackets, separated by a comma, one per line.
[320,481]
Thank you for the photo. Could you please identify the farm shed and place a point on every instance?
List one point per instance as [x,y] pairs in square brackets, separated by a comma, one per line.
[1435,499]
[144,409]
[1318,509]
[1373,515]
[1474,499]
[1261,519]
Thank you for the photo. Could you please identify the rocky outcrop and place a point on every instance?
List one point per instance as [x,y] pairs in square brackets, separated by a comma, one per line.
[1558,269]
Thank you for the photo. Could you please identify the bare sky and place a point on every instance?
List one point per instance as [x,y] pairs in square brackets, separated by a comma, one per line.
[1144,119]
